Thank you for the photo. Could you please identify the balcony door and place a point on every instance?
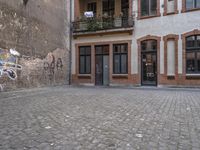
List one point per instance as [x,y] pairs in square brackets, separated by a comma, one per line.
[102,65]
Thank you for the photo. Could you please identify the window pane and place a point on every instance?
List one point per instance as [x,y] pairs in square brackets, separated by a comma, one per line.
[82,51]
[124,64]
[190,42]
[144,7]
[190,64]
[88,64]
[198,41]
[144,45]
[153,7]
[189,4]
[153,44]
[88,50]
[116,64]
[116,48]
[124,48]
[198,62]
[197,3]
[82,65]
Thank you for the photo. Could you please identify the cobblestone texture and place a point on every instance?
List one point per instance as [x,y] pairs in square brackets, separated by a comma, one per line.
[63,118]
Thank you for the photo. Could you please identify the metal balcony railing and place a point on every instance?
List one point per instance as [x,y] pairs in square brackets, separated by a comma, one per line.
[97,24]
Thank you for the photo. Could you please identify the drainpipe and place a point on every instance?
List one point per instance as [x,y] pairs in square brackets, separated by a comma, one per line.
[70,42]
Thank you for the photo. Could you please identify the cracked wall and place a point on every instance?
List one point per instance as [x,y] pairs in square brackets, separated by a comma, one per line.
[37,31]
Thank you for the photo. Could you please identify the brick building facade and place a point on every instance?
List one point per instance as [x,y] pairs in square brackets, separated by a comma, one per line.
[140,42]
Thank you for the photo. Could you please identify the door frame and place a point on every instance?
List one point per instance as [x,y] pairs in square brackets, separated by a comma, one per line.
[148,37]
[102,63]
[142,68]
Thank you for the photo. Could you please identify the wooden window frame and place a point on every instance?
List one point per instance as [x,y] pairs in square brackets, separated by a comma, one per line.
[193,50]
[85,56]
[158,14]
[187,10]
[120,54]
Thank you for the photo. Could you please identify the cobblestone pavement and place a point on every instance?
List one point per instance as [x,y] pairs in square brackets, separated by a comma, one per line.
[63,118]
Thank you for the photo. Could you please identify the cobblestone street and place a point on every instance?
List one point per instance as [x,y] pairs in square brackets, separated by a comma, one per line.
[63,118]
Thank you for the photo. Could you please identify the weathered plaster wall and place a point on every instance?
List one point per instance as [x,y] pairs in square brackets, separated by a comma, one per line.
[38,31]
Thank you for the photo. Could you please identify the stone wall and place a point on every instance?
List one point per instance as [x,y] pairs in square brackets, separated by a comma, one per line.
[37,30]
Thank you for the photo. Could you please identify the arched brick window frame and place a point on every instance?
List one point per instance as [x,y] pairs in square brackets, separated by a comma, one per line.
[175,8]
[149,37]
[184,36]
[145,17]
[166,38]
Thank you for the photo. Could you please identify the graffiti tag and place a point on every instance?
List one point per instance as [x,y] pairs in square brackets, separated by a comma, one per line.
[8,63]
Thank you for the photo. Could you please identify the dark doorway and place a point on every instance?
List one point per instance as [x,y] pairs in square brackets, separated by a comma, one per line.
[102,65]
[149,62]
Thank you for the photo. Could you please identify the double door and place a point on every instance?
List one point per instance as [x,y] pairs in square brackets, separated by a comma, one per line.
[102,65]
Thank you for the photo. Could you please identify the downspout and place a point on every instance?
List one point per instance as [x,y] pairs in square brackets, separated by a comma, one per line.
[70,42]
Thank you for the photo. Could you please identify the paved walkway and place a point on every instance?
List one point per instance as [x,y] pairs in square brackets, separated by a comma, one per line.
[62,118]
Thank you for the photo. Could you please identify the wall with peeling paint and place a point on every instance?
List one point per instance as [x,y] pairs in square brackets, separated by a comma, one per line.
[38,31]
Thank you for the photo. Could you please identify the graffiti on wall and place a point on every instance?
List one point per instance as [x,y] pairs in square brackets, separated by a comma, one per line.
[52,64]
[8,64]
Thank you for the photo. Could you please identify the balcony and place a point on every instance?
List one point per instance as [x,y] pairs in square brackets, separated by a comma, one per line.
[102,25]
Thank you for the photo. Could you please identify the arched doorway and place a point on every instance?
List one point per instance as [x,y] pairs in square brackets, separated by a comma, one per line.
[149,62]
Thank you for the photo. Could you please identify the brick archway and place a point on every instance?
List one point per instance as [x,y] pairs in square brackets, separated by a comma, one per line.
[149,37]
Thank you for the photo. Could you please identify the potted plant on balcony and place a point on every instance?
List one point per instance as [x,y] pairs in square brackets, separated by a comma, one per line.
[83,23]
[93,24]
[118,20]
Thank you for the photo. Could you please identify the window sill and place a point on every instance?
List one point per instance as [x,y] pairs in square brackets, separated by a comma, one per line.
[171,77]
[120,75]
[147,17]
[171,13]
[192,76]
[190,10]
[84,75]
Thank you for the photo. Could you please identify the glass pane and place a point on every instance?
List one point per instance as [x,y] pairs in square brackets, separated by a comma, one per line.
[190,42]
[98,50]
[153,44]
[144,7]
[116,64]
[82,51]
[116,48]
[198,41]
[198,61]
[82,65]
[190,62]
[88,50]
[88,64]
[197,3]
[153,7]
[189,4]
[124,48]
[124,64]
[144,45]
[105,49]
